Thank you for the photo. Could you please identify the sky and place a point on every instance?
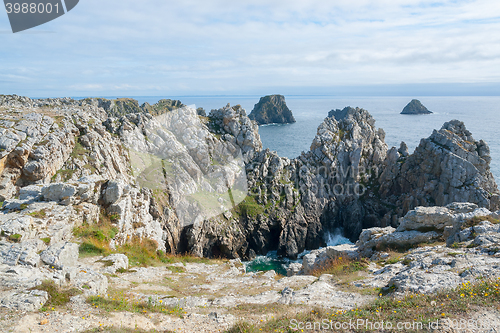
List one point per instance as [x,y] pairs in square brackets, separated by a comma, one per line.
[220,47]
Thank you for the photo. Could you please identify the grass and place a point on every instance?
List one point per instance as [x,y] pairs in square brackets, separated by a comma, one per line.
[79,151]
[340,267]
[96,237]
[250,207]
[39,214]
[58,297]
[476,220]
[15,238]
[46,240]
[66,174]
[121,301]
[416,309]
[112,329]
[176,269]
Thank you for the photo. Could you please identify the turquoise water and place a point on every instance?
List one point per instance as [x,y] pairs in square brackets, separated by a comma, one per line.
[271,261]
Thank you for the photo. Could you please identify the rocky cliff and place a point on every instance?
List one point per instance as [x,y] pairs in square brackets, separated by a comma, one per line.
[78,176]
[166,177]
[272,110]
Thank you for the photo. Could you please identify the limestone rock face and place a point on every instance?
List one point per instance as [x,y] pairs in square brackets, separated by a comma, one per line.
[449,166]
[236,127]
[272,110]
[60,255]
[415,107]
[82,159]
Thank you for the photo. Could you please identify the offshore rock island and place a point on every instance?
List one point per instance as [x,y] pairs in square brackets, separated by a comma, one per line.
[272,109]
[415,107]
[83,210]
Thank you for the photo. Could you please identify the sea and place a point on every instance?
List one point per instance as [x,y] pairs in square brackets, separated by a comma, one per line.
[480,114]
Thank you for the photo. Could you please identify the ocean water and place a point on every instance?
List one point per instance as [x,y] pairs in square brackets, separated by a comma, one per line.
[481,116]
[271,261]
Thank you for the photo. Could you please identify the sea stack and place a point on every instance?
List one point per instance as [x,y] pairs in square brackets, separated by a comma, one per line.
[272,109]
[415,107]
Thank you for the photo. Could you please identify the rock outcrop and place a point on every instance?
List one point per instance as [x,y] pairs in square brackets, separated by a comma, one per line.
[166,177]
[415,107]
[449,166]
[272,110]
[178,180]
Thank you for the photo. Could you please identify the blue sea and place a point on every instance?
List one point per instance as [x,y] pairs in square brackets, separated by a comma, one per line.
[480,114]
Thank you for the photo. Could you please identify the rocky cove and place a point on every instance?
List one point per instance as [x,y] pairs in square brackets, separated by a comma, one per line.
[88,186]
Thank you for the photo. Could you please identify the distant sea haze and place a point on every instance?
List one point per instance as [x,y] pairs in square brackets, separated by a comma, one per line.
[481,115]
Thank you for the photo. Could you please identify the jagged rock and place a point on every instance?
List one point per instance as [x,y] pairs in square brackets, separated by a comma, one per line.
[431,269]
[272,109]
[321,258]
[25,301]
[25,253]
[379,239]
[294,268]
[415,107]
[449,166]
[201,112]
[90,282]
[15,224]
[347,180]
[60,255]
[286,296]
[242,132]
[117,261]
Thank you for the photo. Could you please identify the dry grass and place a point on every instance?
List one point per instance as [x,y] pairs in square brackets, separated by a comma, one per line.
[58,296]
[120,300]
[452,304]
[476,220]
[340,267]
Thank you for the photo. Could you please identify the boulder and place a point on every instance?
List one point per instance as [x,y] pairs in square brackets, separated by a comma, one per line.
[318,259]
[114,262]
[60,255]
[24,301]
[90,282]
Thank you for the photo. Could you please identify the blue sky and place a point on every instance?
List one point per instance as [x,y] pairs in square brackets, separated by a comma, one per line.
[175,48]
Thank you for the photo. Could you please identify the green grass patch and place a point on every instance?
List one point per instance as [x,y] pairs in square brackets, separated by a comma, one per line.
[250,207]
[15,238]
[79,151]
[39,214]
[66,174]
[96,237]
[46,240]
[176,269]
[121,301]
[58,296]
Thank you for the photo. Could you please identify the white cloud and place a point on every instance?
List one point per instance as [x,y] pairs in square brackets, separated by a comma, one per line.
[190,47]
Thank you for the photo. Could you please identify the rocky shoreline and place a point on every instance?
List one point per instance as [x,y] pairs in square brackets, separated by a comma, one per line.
[68,165]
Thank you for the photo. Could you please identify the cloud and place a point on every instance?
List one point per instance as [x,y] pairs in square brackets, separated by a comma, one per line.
[190,47]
